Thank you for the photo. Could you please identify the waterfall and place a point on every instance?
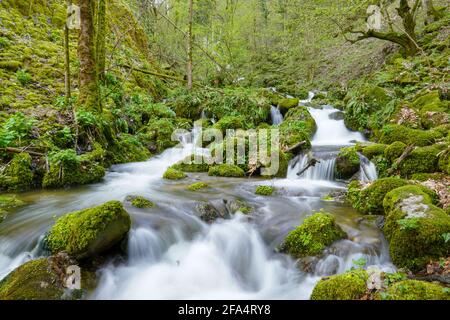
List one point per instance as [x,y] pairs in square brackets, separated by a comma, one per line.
[277,117]
[311,96]
[368,171]
[324,170]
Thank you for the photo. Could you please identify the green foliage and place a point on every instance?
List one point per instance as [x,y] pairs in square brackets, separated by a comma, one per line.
[23,77]
[264,190]
[16,129]
[89,232]
[313,235]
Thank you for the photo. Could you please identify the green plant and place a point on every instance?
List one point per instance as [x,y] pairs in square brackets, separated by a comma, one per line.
[446,237]
[359,263]
[17,127]
[4,42]
[408,224]
[23,77]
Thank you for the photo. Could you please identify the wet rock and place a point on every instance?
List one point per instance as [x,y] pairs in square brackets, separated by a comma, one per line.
[208,212]
[338,115]
[347,163]
[235,205]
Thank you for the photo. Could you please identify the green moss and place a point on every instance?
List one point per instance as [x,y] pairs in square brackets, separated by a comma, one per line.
[173,174]
[444,161]
[230,122]
[351,285]
[313,235]
[347,163]
[264,190]
[89,232]
[394,150]
[286,104]
[10,65]
[197,186]
[415,290]
[140,202]
[18,175]
[414,228]
[189,164]
[8,202]
[420,138]
[427,176]
[226,170]
[369,200]
[68,169]
[373,150]
[34,280]
[421,160]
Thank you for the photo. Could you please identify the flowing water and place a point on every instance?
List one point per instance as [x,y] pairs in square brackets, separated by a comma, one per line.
[276,115]
[172,254]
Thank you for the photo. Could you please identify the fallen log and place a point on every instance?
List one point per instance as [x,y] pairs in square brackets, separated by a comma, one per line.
[295,147]
[311,163]
[442,278]
[21,150]
[404,155]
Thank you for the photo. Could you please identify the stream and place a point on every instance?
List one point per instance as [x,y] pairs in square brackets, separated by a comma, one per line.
[172,254]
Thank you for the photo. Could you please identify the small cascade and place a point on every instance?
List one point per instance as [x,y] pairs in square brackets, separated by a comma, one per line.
[368,171]
[323,170]
[277,117]
[311,96]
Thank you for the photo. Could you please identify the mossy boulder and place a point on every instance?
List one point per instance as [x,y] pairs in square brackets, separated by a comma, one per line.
[421,160]
[286,104]
[208,212]
[420,138]
[18,175]
[192,163]
[230,122]
[197,186]
[264,190]
[89,232]
[415,228]
[373,150]
[415,290]
[226,170]
[369,200]
[140,202]
[173,174]
[313,236]
[69,169]
[41,279]
[444,160]
[394,150]
[347,163]
[351,285]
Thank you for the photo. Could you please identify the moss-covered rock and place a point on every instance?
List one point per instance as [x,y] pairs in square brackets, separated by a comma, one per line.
[351,285]
[415,228]
[197,186]
[369,200]
[69,169]
[173,174]
[264,190]
[191,164]
[394,150]
[373,150]
[140,202]
[41,279]
[18,175]
[286,104]
[230,122]
[208,212]
[347,163]
[415,290]
[421,160]
[226,170]
[89,232]
[420,138]
[313,235]
[8,202]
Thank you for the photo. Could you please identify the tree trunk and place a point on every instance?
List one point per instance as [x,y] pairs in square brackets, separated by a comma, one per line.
[101,39]
[189,46]
[67,83]
[88,79]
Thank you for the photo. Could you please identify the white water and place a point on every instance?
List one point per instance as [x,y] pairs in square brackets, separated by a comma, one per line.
[172,254]
[277,117]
